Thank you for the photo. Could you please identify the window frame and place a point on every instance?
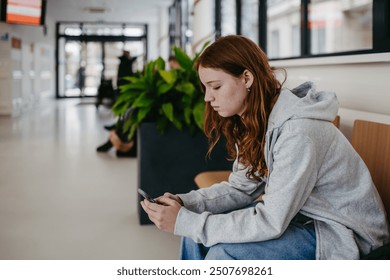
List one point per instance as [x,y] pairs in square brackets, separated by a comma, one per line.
[381,29]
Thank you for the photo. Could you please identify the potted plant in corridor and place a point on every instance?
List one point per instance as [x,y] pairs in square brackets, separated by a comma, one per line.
[167,114]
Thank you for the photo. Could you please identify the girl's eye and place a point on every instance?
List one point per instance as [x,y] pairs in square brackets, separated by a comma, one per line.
[215,88]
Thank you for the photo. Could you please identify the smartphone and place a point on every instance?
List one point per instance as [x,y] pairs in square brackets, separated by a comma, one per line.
[145,195]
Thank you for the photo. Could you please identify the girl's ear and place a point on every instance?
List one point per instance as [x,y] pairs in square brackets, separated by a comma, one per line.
[248,78]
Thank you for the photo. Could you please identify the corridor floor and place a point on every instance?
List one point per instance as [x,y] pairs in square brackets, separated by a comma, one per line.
[60,199]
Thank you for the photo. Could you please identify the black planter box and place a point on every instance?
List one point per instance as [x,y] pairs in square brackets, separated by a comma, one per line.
[169,162]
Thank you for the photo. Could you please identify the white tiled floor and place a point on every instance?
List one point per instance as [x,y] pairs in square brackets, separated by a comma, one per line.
[59,199]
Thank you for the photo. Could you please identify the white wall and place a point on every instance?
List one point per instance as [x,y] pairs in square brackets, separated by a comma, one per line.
[5,70]
[361,83]
[26,73]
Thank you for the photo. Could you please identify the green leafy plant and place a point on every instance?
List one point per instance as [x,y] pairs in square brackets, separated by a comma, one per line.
[166,97]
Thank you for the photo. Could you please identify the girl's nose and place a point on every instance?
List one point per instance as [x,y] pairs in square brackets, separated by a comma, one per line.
[208,97]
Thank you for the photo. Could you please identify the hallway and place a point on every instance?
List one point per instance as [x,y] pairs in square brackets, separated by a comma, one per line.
[59,199]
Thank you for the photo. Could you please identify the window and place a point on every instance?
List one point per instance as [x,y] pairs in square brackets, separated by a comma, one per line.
[228,17]
[338,26]
[326,27]
[250,19]
[296,40]
[281,15]
[274,45]
[318,40]
[307,28]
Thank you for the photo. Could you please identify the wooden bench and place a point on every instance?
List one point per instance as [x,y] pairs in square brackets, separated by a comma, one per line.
[372,142]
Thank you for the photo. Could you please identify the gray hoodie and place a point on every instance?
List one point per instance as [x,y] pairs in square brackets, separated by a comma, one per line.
[312,169]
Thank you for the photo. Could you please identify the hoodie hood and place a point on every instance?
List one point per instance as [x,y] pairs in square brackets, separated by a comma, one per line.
[303,102]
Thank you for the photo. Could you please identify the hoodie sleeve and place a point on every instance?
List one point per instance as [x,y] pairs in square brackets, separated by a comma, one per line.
[290,183]
[237,192]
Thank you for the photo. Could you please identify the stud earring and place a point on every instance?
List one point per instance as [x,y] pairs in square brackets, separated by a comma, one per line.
[248,89]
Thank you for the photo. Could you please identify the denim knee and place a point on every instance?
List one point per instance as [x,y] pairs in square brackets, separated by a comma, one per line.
[190,250]
[218,252]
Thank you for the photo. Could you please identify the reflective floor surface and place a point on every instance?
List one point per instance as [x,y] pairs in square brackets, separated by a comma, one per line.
[59,199]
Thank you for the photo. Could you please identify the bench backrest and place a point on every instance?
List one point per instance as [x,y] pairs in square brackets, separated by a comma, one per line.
[372,141]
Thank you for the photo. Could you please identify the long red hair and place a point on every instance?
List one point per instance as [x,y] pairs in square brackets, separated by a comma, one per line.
[234,54]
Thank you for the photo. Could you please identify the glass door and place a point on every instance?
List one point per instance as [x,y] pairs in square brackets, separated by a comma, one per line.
[82,68]
[89,53]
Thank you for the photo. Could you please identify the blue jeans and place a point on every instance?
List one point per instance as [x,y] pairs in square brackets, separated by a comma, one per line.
[298,242]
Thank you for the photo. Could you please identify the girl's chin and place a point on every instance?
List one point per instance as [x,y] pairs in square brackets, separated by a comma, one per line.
[224,114]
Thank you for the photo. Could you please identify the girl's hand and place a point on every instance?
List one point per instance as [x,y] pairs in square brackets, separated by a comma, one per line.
[163,215]
[174,197]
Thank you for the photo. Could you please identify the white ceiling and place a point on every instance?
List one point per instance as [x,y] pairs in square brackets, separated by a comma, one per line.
[133,11]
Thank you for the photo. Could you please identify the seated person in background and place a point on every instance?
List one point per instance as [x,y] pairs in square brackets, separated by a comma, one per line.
[123,148]
[298,189]
[118,140]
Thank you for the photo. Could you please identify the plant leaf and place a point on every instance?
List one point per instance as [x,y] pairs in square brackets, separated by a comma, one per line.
[186,88]
[168,110]
[168,76]
[187,115]
[133,86]
[198,113]
[130,125]
[163,88]
[177,124]
[142,113]
[183,59]
[169,98]
[160,63]
[121,104]
[131,79]
[149,73]
[143,101]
